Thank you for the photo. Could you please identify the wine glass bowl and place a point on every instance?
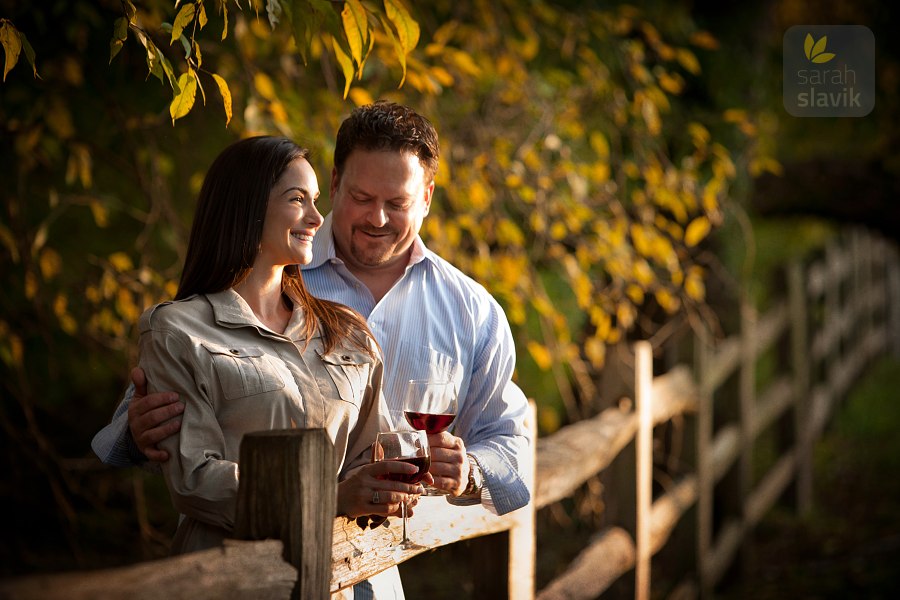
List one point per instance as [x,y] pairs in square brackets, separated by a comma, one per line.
[430,406]
[406,446]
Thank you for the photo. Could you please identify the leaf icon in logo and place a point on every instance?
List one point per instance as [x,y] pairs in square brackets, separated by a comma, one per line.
[815,51]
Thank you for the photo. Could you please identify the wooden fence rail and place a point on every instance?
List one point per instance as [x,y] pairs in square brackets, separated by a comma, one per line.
[841,312]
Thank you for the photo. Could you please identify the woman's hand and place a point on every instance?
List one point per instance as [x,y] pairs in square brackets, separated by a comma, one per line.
[368,491]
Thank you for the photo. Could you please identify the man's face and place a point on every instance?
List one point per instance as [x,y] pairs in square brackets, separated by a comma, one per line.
[378,204]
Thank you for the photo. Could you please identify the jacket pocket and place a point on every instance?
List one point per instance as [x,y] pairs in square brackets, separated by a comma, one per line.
[243,370]
[349,370]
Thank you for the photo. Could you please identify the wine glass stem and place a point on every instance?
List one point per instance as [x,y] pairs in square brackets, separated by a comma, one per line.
[403,514]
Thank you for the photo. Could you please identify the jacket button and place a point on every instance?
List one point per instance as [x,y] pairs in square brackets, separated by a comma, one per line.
[235,351]
[345,357]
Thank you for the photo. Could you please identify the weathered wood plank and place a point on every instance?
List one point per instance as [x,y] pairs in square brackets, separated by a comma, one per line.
[358,554]
[240,570]
[597,441]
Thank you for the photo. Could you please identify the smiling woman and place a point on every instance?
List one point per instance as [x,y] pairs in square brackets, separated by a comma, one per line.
[247,348]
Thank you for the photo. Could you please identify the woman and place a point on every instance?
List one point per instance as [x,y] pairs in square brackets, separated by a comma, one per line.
[248,349]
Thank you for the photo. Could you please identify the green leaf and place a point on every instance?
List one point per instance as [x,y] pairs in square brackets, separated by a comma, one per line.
[12,46]
[29,53]
[169,72]
[120,34]
[303,22]
[183,102]
[153,56]
[346,65]
[329,17]
[183,19]
[226,96]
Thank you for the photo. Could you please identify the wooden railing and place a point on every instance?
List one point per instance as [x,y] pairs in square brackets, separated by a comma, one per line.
[840,312]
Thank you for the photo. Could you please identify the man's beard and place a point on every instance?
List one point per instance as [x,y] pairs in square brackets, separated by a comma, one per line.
[373,253]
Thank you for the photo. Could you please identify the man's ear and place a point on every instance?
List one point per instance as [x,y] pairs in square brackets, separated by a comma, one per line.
[335,180]
[429,192]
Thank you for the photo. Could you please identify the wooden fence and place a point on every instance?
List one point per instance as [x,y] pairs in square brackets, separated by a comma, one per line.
[840,312]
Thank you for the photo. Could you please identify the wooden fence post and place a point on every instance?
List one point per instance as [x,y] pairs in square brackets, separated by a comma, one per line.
[288,491]
[504,562]
[643,371]
[799,340]
[705,469]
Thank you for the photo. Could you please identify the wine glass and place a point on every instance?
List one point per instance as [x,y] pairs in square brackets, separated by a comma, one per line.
[430,406]
[409,447]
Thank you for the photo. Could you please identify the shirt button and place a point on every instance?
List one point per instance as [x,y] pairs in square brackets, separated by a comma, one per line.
[234,351]
[345,357]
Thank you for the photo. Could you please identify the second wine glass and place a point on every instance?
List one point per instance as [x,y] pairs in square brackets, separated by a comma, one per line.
[409,447]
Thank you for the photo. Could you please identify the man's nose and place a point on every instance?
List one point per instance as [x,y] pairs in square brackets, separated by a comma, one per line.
[377,216]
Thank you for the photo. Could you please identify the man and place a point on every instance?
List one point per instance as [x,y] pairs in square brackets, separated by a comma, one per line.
[430,319]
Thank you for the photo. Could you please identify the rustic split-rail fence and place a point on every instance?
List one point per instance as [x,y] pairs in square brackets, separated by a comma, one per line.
[840,312]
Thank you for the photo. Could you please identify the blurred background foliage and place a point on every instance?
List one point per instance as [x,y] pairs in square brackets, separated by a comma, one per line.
[598,175]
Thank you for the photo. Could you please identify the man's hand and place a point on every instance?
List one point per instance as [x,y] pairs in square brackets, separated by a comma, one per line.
[449,465]
[149,417]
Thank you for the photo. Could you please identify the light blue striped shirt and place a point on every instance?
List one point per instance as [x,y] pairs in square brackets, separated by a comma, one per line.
[436,320]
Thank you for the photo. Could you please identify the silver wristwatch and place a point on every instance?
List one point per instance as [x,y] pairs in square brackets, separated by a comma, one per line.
[476,477]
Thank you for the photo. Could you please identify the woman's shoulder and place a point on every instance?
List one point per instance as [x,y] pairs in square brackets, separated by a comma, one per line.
[175,314]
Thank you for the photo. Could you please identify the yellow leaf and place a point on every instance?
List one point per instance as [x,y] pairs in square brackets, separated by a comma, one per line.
[687,60]
[50,263]
[356,27]
[595,350]
[823,57]
[705,40]
[808,43]
[183,102]
[264,86]
[182,20]
[693,285]
[12,46]
[226,96]
[121,262]
[540,354]
[346,65]
[696,231]
[361,97]
[31,285]
[600,145]
[407,28]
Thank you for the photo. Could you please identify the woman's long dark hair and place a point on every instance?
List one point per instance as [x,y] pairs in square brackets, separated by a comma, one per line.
[227,232]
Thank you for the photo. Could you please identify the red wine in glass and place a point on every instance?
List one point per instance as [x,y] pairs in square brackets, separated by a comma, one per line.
[421,462]
[430,405]
[404,446]
[431,423]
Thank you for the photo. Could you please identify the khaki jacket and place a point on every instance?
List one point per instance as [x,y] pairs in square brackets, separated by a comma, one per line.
[235,376]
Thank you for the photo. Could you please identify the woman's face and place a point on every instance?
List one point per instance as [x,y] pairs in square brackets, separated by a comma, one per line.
[291,217]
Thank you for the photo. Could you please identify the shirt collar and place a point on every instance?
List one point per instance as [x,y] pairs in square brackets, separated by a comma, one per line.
[231,310]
